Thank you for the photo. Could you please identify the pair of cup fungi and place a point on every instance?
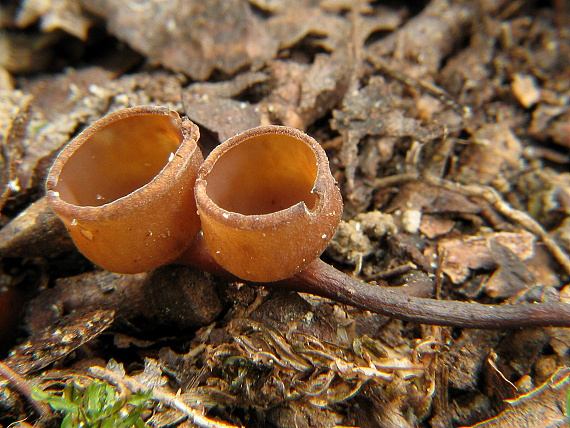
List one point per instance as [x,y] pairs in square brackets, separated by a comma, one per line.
[135,193]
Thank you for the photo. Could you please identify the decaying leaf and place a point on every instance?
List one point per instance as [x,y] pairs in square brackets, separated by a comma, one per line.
[465,254]
[511,276]
[197,37]
[493,148]
[376,110]
[420,196]
[290,93]
[215,105]
[434,225]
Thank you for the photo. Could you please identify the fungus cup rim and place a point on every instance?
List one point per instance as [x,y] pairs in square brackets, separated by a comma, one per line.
[130,202]
[262,221]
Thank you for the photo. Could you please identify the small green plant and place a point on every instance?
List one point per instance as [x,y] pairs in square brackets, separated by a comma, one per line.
[95,405]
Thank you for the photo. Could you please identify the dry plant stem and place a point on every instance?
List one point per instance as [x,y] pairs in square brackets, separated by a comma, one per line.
[158,394]
[398,270]
[24,388]
[392,180]
[326,281]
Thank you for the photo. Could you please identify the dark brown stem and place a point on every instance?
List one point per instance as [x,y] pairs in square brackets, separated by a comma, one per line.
[324,280]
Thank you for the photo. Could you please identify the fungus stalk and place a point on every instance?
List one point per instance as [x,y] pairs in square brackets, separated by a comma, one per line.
[324,280]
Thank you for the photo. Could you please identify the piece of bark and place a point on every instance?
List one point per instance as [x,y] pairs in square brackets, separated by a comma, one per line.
[175,297]
[35,232]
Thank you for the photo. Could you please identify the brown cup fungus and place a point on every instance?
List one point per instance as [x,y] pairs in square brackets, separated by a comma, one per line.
[124,188]
[128,189]
[267,202]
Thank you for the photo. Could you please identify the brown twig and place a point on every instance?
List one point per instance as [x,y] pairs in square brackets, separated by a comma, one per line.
[398,270]
[23,387]
[158,394]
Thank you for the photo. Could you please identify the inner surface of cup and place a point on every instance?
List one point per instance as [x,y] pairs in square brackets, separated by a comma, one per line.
[118,158]
[264,174]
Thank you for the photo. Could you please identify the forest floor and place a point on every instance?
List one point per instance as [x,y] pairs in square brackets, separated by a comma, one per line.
[447,126]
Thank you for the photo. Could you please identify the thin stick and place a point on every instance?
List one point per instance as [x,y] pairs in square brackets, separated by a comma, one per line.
[158,394]
[22,385]
[398,270]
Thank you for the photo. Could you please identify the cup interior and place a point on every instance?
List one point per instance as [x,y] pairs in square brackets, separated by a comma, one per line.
[263,174]
[118,158]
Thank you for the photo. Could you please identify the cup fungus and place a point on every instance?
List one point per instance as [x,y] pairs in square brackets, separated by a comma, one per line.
[128,189]
[268,203]
[124,188]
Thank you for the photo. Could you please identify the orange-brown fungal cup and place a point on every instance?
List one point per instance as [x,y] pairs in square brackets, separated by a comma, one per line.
[124,188]
[267,202]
